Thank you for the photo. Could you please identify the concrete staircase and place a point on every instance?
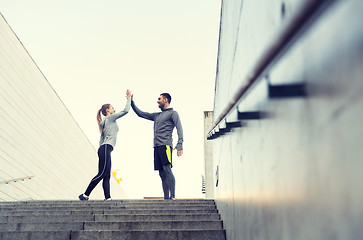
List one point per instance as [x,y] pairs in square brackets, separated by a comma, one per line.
[118,219]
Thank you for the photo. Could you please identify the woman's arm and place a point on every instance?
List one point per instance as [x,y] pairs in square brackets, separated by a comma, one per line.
[115,116]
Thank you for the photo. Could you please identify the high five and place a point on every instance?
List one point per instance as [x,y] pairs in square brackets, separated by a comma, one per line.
[164,124]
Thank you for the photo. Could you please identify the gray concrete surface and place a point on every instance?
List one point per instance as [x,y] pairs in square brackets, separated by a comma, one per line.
[131,219]
[296,174]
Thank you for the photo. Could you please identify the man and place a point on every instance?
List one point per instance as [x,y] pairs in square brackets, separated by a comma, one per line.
[164,123]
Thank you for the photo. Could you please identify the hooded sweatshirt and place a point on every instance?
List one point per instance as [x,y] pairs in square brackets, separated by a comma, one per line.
[164,123]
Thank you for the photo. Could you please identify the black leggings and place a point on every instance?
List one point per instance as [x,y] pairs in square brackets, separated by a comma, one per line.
[104,171]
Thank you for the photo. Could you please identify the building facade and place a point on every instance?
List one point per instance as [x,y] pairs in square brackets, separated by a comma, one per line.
[287,134]
[43,152]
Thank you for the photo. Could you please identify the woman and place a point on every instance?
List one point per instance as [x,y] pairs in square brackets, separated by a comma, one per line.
[108,129]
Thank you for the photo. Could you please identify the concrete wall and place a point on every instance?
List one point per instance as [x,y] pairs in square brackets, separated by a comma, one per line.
[208,157]
[297,173]
[40,142]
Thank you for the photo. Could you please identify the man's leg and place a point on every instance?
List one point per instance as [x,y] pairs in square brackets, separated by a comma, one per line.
[165,183]
[167,168]
[170,179]
[162,162]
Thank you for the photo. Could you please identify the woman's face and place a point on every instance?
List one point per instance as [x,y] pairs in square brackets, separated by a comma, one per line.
[110,110]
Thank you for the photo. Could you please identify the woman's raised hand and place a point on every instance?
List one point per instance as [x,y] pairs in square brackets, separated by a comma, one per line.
[128,93]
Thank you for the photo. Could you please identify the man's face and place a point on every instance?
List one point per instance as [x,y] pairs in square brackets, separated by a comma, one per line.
[161,101]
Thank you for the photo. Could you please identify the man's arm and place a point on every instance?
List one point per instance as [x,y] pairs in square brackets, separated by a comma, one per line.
[146,115]
[179,129]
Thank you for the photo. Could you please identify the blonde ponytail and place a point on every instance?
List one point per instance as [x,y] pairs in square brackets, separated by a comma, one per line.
[104,112]
[99,119]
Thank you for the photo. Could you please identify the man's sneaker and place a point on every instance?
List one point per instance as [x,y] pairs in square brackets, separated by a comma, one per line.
[83,197]
[171,198]
[108,199]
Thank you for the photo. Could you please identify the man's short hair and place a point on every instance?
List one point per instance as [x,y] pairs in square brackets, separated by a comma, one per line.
[167,96]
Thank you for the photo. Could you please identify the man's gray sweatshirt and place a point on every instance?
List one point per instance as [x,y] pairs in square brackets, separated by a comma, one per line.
[164,123]
[110,127]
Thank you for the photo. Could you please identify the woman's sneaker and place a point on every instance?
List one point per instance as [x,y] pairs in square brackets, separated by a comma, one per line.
[83,197]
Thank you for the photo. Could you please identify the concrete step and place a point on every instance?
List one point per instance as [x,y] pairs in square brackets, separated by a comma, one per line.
[123,226]
[47,218]
[106,217]
[155,217]
[113,202]
[50,213]
[36,235]
[115,208]
[150,235]
[128,211]
[115,235]
[41,226]
[109,203]
[154,225]
[121,219]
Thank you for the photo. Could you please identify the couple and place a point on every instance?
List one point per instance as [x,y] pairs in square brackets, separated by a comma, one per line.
[164,123]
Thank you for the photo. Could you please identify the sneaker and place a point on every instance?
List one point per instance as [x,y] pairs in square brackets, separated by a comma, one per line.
[83,197]
[171,198]
[108,199]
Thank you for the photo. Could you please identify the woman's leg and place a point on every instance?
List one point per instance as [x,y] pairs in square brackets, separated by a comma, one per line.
[107,175]
[101,169]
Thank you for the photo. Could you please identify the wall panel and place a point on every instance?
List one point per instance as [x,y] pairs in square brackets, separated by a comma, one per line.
[296,173]
[38,135]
